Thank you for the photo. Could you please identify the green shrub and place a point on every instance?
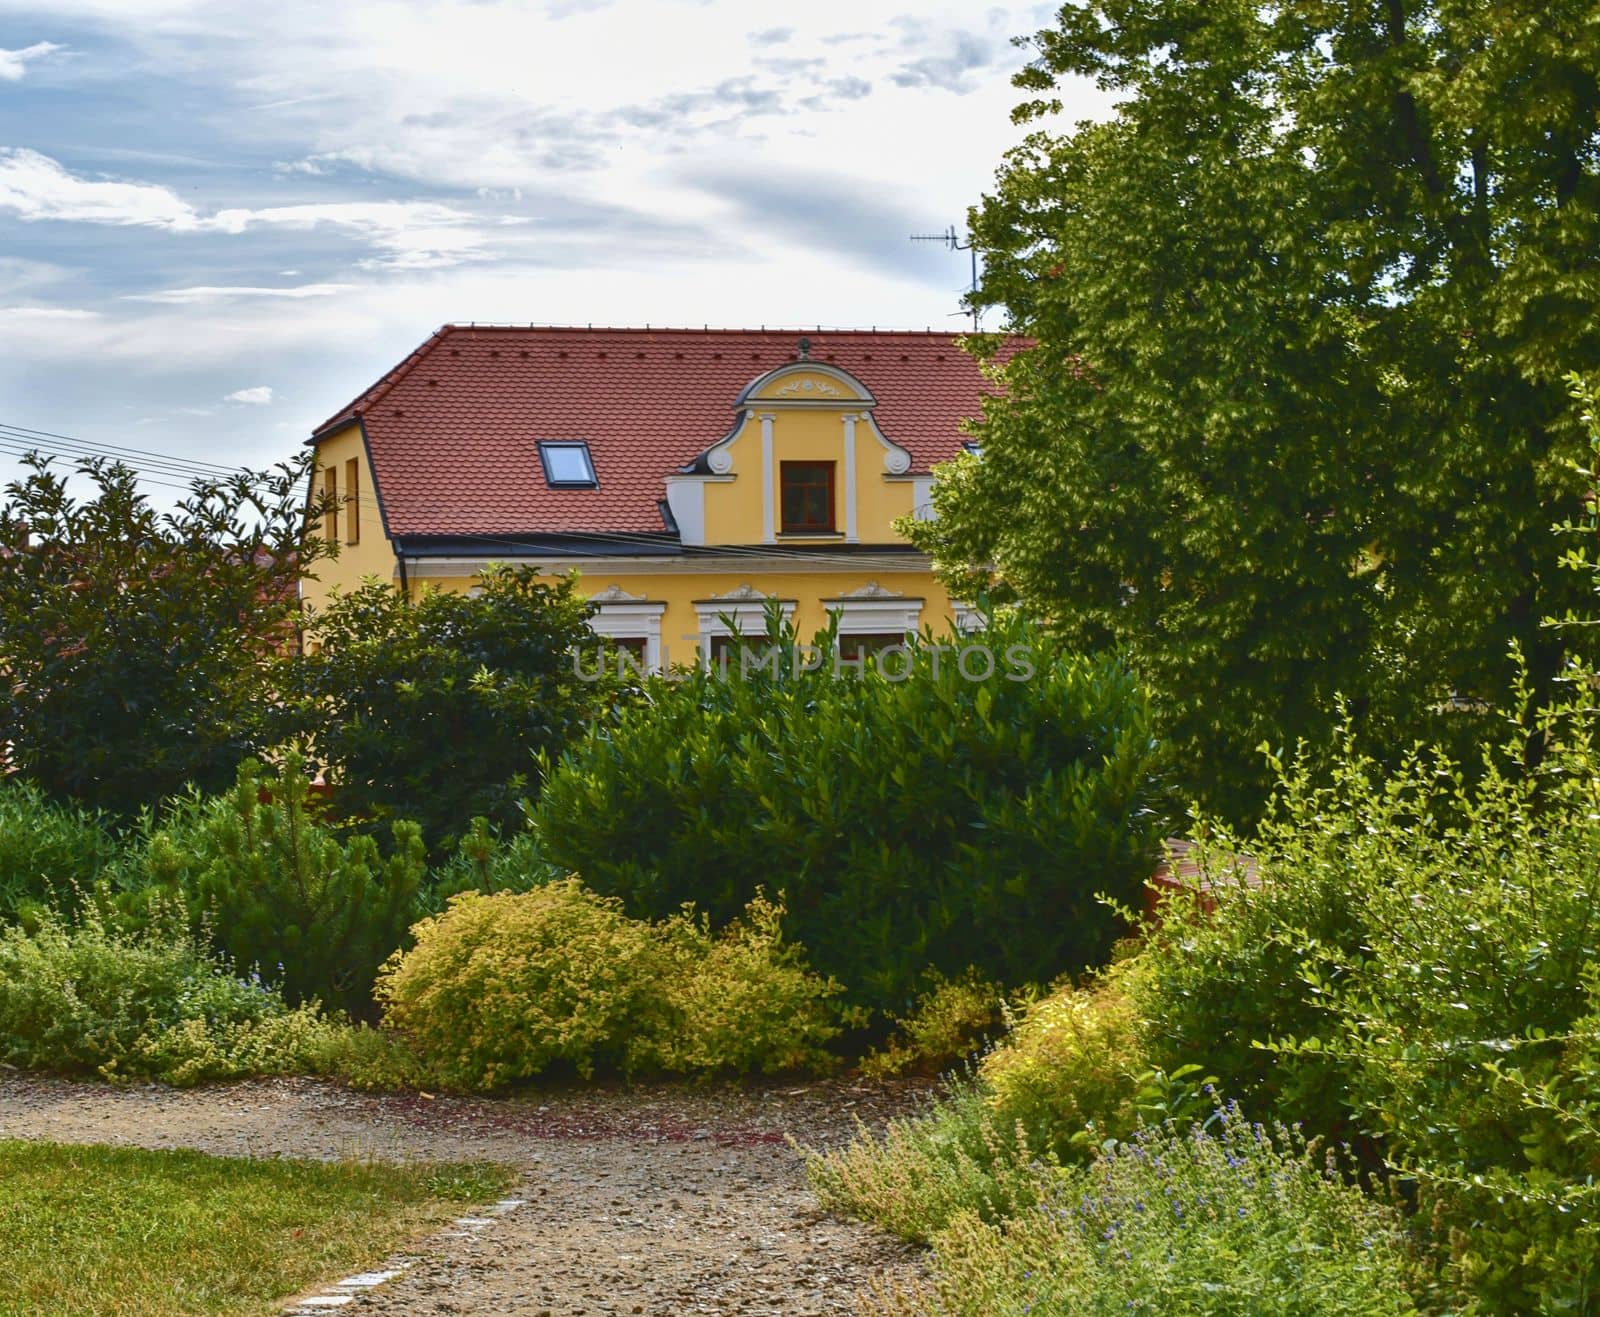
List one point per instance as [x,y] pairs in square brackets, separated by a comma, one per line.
[500,988]
[924,1171]
[933,821]
[432,709]
[86,998]
[1411,974]
[950,1021]
[484,862]
[279,891]
[1071,1069]
[1229,1219]
[49,853]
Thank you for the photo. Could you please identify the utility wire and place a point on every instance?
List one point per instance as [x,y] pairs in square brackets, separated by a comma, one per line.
[152,466]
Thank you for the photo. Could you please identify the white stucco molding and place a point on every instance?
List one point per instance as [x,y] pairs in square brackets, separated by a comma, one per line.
[967,617]
[624,616]
[745,606]
[896,460]
[872,610]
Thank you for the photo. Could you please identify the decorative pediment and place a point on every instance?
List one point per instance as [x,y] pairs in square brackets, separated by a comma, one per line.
[807,382]
[615,594]
[871,590]
[742,594]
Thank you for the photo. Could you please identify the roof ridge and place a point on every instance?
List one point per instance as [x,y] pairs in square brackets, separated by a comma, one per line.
[867,331]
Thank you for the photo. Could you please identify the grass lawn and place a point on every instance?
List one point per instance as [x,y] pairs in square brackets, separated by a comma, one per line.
[120,1230]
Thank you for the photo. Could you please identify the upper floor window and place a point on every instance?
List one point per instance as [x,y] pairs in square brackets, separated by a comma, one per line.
[330,491]
[568,464]
[807,496]
[352,501]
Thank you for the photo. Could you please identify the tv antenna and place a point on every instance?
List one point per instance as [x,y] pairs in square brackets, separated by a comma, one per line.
[951,240]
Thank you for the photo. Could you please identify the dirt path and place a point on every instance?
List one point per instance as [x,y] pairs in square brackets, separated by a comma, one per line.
[657,1201]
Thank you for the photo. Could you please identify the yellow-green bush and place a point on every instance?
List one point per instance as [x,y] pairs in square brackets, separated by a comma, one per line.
[738,1001]
[950,1021]
[1072,1068]
[500,988]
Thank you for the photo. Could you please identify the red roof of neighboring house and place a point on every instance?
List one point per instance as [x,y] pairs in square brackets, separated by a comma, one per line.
[453,429]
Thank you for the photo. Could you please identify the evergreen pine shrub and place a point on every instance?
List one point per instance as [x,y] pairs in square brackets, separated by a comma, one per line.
[279,891]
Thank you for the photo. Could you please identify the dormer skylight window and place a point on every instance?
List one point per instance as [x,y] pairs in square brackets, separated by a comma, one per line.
[567,465]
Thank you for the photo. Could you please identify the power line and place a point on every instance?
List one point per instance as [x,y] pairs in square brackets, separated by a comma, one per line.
[153,466]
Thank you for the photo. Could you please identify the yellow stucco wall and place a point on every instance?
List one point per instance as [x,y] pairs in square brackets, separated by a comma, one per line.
[682,591]
[373,556]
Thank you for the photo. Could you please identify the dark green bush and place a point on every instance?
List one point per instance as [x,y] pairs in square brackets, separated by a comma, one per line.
[49,854]
[279,891]
[136,641]
[485,862]
[433,709]
[930,822]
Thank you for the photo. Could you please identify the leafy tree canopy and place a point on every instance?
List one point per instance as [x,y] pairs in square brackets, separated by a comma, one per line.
[1293,422]
[433,710]
[134,641]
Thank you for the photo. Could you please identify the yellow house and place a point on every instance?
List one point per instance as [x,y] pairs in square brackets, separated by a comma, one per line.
[688,476]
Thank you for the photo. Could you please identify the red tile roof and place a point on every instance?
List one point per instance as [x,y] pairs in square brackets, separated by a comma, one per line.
[453,429]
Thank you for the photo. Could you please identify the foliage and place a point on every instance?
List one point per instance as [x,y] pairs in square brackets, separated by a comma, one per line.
[1071,1068]
[485,862]
[911,819]
[50,854]
[500,988]
[1291,422]
[1414,973]
[434,709]
[951,1020]
[927,1170]
[125,1230]
[277,890]
[136,642]
[86,998]
[736,1002]
[1227,1218]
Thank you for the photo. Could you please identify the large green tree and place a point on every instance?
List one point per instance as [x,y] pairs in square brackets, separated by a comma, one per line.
[1293,424]
[134,641]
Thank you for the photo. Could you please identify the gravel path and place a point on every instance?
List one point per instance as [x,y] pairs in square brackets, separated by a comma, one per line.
[654,1201]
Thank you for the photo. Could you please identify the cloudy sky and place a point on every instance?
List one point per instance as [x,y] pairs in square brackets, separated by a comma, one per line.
[220,219]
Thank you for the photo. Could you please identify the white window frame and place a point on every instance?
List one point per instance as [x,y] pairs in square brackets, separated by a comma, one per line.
[747,607]
[623,616]
[873,611]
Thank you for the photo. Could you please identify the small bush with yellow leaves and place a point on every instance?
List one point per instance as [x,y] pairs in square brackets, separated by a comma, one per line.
[1071,1069]
[951,1020]
[501,988]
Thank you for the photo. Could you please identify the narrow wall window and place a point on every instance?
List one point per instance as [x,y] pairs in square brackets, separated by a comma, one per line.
[330,488]
[807,496]
[352,502]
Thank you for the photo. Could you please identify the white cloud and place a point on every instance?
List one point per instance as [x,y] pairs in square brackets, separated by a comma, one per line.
[35,187]
[206,293]
[14,63]
[412,234]
[259,396]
